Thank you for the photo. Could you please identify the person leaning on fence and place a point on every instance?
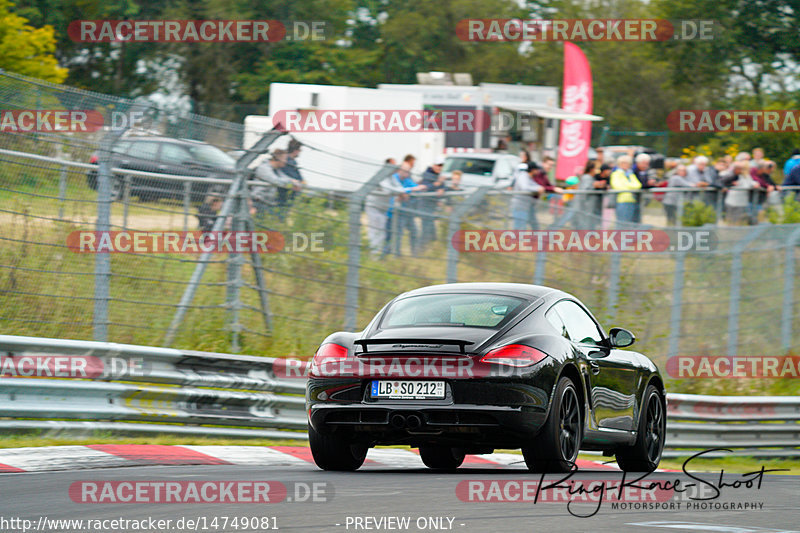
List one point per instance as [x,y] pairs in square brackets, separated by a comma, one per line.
[286,195]
[405,205]
[740,185]
[792,162]
[590,205]
[264,194]
[672,200]
[622,179]
[433,181]
[524,197]
[768,193]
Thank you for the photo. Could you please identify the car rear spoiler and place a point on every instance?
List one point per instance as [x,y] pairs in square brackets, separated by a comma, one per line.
[448,342]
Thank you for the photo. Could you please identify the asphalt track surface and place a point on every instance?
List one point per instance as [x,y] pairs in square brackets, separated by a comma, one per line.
[383,490]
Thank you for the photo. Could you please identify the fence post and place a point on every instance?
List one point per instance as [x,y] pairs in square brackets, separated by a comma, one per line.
[788,291]
[102,262]
[354,245]
[736,281]
[613,285]
[233,291]
[541,256]
[675,311]
[454,224]
[227,208]
[62,190]
[187,203]
[680,210]
[126,199]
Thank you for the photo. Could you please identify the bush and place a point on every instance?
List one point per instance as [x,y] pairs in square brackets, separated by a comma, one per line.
[790,214]
[697,213]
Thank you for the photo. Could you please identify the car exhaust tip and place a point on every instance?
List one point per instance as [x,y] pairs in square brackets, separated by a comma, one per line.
[414,422]
[398,421]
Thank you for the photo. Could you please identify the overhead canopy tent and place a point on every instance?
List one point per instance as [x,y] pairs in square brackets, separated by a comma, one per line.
[545,111]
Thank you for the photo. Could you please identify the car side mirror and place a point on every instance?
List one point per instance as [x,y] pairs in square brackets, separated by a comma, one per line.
[620,338]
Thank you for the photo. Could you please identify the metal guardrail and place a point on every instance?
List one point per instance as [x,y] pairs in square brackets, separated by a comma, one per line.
[108,386]
[749,425]
[139,389]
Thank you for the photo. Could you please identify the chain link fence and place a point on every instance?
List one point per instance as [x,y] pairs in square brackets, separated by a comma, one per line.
[146,169]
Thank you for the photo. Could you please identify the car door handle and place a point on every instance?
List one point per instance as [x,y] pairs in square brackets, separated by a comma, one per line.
[595,367]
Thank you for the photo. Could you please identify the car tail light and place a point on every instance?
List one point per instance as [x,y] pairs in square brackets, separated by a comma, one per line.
[93,160]
[329,352]
[514,355]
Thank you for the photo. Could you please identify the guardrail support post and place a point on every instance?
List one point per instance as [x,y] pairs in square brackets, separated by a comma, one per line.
[454,224]
[736,282]
[788,291]
[227,208]
[352,282]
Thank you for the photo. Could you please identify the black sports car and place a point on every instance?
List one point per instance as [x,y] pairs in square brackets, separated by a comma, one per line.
[467,368]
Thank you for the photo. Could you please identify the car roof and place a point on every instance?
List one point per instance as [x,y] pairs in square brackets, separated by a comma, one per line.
[478,155]
[162,139]
[521,289]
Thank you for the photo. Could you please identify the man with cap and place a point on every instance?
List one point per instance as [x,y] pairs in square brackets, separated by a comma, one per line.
[433,181]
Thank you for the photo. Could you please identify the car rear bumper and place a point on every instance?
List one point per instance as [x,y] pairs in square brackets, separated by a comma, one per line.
[474,413]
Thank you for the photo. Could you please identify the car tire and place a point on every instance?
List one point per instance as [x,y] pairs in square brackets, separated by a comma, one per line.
[555,448]
[645,454]
[441,457]
[336,452]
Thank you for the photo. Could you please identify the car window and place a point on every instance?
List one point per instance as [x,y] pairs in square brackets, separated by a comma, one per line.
[120,147]
[471,310]
[174,154]
[580,326]
[481,167]
[555,321]
[211,155]
[144,150]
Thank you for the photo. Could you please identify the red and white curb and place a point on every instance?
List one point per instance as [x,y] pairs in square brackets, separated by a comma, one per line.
[50,458]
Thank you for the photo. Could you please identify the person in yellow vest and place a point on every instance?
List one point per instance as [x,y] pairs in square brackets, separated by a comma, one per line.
[622,179]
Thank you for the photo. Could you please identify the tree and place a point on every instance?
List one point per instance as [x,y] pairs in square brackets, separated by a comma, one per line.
[27,50]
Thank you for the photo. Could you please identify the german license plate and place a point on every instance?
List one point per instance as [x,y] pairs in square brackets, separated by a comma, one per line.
[408,390]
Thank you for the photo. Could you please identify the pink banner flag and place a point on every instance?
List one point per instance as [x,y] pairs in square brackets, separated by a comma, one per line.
[573,144]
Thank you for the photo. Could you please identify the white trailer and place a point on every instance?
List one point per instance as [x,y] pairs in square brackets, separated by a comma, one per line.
[344,160]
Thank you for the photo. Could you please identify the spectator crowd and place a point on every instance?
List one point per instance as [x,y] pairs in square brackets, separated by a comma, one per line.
[600,193]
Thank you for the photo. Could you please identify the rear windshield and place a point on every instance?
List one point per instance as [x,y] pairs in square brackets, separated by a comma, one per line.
[482,167]
[469,310]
